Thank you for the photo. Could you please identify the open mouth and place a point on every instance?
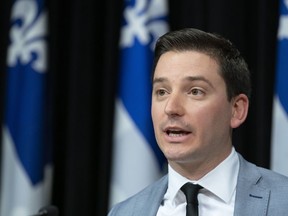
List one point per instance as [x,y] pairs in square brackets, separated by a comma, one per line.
[176,132]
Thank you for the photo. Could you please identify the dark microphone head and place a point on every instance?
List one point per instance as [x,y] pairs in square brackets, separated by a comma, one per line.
[48,211]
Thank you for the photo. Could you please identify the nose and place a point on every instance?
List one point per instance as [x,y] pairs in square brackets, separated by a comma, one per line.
[174,105]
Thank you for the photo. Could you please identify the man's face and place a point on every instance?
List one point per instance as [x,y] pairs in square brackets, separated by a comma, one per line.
[190,110]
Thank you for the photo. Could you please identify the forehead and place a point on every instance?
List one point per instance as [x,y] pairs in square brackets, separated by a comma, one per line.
[178,65]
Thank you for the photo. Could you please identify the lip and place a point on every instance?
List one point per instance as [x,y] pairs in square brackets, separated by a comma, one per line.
[176,134]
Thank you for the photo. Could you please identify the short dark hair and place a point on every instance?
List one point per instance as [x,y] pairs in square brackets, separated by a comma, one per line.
[233,67]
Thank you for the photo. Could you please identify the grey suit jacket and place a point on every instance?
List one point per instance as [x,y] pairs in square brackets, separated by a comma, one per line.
[259,192]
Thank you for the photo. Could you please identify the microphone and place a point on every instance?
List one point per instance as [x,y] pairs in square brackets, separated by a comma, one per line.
[48,211]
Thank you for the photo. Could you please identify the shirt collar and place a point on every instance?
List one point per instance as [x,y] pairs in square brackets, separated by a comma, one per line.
[221,181]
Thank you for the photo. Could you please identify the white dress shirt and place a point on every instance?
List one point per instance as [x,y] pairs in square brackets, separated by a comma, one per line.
[217,198]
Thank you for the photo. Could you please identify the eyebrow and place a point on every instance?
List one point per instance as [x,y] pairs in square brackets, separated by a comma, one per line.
[159,80]
[188,78]
[199,78]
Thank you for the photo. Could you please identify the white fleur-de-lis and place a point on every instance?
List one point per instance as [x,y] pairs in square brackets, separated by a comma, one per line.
[143,21]
[283,24]
[28,44]
[283,27]
[286,3]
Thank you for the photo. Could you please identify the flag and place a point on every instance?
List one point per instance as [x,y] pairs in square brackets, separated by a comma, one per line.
[26,173]
[279,157]
[137,160]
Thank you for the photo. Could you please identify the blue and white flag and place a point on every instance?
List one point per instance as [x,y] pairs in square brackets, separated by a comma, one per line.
[279,157]
[26,157]
[137,161]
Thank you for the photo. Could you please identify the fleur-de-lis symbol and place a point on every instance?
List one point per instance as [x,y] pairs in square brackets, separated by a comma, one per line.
[27,35]
[283,24]
[143,20]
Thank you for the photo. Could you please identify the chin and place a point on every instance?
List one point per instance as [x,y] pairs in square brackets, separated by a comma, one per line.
[178,157]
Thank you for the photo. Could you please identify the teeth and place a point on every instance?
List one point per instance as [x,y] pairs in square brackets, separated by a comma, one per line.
[175,134]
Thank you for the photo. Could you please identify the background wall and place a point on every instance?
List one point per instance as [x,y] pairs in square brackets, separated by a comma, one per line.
[83,64]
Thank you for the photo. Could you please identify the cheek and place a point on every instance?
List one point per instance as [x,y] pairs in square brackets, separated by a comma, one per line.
[155,114]
[157,110]
[156,122]
[213,117]
[158,116]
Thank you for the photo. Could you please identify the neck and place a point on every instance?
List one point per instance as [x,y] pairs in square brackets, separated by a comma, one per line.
[197,169]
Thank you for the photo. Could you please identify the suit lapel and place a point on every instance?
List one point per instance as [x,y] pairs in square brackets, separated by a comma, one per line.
[154,197]
[251,198]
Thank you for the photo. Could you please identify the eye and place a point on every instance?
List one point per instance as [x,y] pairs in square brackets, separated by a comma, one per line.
[160,92]
[196,91]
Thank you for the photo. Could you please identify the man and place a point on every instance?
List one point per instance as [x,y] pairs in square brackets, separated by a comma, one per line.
[201,89]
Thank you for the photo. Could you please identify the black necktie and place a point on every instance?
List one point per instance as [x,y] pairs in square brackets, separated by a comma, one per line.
[191,191]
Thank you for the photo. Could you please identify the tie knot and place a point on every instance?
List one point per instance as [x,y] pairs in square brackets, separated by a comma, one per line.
[191,191]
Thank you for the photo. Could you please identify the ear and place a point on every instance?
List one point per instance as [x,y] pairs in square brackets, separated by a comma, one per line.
[240,105]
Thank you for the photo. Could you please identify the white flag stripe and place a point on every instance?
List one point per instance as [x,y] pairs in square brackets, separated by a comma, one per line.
[22,198]
[129,141]
[279,158]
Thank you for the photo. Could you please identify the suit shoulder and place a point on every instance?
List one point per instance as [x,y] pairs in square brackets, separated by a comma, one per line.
[273,177]
[261,176]
[142,200]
